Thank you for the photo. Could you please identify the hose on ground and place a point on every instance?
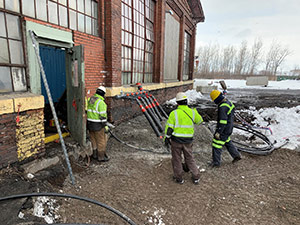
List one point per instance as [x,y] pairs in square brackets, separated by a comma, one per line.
[135,147]
[124,217]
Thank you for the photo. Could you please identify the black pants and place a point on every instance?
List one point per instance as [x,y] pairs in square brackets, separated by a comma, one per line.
[217,150]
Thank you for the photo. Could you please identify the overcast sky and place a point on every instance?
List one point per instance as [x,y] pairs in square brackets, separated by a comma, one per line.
[232,21]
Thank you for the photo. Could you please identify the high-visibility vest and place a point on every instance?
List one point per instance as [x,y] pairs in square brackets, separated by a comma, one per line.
[182,121]
[96,110]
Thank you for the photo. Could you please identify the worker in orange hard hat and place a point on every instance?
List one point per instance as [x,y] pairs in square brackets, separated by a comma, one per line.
[224,129]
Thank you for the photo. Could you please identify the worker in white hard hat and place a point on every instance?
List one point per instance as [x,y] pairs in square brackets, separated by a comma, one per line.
[179,132]
[97,124]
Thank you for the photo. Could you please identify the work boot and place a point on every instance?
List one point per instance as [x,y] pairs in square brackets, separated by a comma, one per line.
[238,158]
[104,159]
[178,180]
[195,181]
[95,154]
[213,165]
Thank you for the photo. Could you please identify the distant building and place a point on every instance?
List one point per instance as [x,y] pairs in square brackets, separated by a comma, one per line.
[84,44]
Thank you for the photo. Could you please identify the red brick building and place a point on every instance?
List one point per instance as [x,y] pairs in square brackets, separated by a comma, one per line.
[83,44]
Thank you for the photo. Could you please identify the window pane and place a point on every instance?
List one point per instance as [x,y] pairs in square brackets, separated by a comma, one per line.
[16,52]
[13,27]
[4,51]
[52,9]
[1,4]
[12,5]
[5,79]
[73,20]
[72,4]
[64,2]
[41,10]
[63,16]
[88,24]
[19,80]
[81,22]
[28,8]
[88,7]
[2,25]
[94,9]
[94,27]
[80,6]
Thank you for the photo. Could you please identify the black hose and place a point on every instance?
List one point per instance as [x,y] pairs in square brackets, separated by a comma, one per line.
[135,147]
[124,217]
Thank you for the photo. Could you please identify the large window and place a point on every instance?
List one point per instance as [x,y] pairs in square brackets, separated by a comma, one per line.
[12,66]
[137,41]
[186,61]
[81,15]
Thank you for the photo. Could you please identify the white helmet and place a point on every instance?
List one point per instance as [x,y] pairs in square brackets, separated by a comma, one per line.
[102,88]
[180,96]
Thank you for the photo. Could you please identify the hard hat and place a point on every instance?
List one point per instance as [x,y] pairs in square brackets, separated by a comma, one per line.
[102,88]
[180,96]
[216,96]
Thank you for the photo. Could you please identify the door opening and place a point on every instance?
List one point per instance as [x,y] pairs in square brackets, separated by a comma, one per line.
[54,63]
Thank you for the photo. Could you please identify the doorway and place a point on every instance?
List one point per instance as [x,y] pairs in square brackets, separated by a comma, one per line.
[54,64]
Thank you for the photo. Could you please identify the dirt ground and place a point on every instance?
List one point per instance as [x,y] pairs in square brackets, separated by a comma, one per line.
[255,190]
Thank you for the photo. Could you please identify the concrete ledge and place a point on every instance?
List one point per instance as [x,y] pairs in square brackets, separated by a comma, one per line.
[113,91]
[15,102]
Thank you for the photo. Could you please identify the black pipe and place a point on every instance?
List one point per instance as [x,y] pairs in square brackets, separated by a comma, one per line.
[151,113]
[124,217]
[159,106]
[148,118]
[154,107]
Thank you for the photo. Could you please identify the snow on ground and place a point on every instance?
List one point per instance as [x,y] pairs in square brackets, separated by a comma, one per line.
[285,122]
[192,96]
[284,84]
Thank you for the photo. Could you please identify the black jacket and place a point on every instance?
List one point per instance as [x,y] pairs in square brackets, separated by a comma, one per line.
[225,119]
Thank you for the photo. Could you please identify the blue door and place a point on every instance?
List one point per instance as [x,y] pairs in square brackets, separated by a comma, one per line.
[54,63]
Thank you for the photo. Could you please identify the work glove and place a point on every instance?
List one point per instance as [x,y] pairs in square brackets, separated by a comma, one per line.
[217,136]
[110,125]
[167,142]
[106,129]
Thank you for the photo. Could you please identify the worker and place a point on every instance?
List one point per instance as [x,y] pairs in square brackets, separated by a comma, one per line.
[179,132]
[97,124]
[223,130]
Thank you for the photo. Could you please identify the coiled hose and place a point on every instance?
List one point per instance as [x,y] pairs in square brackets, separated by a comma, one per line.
[124,217]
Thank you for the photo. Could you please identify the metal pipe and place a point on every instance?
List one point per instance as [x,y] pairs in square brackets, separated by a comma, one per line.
[148,118]
[35,46]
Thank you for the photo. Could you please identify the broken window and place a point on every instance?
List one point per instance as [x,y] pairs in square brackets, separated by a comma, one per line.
[12,65]
[186,57]
[137,41]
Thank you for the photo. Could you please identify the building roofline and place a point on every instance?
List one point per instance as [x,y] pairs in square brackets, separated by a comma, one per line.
[197,11]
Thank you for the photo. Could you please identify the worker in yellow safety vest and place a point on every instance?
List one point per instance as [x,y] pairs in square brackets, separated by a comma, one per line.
[97,124]
[224,129]
[179,132]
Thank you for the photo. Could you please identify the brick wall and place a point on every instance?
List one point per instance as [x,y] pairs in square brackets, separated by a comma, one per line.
[94,60]
[30,133]
[8,148]
[123,109]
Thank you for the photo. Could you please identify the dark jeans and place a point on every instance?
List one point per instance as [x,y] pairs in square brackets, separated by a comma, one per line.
[177,149]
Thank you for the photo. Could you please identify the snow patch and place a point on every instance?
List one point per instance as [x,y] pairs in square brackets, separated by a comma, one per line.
[192,96]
